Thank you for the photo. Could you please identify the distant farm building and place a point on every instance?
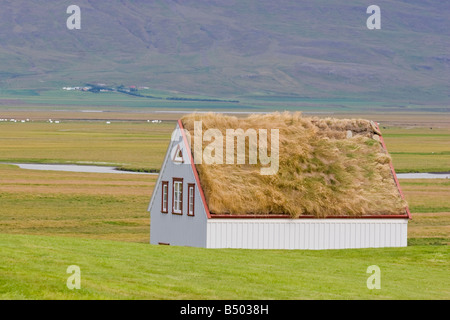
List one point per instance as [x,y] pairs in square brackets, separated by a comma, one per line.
[334,186]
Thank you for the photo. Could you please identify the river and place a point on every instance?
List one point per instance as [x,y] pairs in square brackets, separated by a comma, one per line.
[75,168]
[103,169]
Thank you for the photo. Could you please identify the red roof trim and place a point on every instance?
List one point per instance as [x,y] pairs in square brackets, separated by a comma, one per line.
[194,169]
[278,216]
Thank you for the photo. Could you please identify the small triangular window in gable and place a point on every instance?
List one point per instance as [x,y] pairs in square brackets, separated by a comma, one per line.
[178,155]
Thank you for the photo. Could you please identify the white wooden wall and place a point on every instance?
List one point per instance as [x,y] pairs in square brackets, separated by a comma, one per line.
[306,233]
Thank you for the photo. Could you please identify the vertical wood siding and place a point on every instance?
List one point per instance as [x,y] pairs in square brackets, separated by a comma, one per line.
[313,234]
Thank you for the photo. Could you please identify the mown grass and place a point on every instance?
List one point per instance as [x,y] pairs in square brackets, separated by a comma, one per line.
[34,267]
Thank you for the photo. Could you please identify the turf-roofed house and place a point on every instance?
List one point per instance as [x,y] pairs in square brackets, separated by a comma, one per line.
[277,181]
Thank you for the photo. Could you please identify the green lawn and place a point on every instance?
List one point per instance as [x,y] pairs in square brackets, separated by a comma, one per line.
[34,267]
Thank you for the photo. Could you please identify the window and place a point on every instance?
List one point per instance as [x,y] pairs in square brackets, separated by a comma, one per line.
[165,197]
[191,199]
[177,196]
[178,155]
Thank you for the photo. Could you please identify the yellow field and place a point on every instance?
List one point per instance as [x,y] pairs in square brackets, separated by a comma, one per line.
[87,205]
[138,145]
[430,205]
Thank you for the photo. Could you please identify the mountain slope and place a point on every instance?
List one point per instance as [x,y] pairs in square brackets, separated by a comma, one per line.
[319,49]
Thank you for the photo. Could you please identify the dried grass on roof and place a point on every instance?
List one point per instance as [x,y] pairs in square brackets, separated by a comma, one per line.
[327,167]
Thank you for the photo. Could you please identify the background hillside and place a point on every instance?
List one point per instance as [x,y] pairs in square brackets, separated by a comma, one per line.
[244,48]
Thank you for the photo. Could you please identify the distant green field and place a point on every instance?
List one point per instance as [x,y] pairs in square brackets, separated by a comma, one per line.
[136,145]
[34,267]
[142,145]
[49,99]
[419,149]
[259,102]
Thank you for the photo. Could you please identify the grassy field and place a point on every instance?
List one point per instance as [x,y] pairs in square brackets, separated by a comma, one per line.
[138,145]
[35,267]
[113,206]
[101,206]
[73,100]
[430,208]
[419,149]
[56,100]
[50,220]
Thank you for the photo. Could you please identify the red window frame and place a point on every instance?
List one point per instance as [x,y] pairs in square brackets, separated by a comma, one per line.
[191,191]
[173,196]
[164,184]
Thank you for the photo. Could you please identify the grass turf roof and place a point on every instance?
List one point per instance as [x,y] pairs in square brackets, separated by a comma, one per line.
[327,167]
